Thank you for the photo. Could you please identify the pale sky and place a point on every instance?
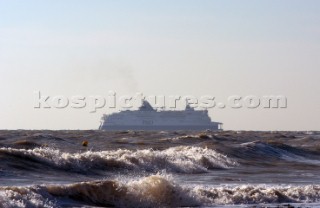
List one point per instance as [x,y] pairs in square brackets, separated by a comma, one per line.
[218,48]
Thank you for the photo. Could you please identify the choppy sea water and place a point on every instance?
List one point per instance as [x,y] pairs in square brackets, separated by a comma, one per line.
[159,169]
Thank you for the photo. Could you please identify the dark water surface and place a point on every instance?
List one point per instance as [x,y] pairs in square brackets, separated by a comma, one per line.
[159,169]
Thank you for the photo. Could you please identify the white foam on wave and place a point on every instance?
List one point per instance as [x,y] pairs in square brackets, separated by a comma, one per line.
[256,194]
[176,159]
[155,191]
[16,197]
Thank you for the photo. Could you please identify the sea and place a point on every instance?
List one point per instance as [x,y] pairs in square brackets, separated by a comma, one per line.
[91,168]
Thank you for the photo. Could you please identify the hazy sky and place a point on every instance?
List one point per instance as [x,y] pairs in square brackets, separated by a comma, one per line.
[218,48]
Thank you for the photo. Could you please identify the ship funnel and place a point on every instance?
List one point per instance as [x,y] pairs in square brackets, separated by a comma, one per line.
[146,106]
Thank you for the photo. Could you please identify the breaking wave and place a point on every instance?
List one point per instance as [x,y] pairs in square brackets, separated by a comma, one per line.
[182,159]
[153,191]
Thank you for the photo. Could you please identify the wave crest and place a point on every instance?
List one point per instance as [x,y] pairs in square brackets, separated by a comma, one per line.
[261,150]
[176,159]
[155,191]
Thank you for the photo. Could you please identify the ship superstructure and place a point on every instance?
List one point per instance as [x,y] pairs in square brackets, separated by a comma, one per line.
[147,118]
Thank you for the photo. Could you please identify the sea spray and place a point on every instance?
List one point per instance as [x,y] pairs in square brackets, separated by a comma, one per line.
[154,191]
